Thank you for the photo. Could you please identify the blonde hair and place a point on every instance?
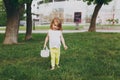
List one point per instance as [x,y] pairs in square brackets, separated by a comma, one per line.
[56,21]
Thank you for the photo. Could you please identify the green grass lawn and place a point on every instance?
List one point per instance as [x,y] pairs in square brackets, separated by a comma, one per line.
[90,56]
[66,27]
[69,27]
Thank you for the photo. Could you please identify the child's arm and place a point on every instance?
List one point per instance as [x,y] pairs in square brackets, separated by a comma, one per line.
[46,40]
[63,42]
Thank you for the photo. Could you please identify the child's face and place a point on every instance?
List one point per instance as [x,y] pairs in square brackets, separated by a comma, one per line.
[55,27]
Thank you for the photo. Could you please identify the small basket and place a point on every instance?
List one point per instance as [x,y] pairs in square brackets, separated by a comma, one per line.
[44,52]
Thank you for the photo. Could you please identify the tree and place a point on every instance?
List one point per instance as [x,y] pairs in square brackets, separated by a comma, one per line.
[98,6]
[13,10]
[28,35]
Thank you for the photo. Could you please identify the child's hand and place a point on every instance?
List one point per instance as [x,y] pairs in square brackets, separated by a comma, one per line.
[65,47]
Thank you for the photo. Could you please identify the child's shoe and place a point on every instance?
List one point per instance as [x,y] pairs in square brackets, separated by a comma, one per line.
[52,68]
[58,66]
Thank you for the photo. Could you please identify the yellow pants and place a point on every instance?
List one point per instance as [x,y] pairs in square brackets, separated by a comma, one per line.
[55,56]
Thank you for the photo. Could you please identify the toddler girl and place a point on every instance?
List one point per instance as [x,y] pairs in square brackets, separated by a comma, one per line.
[55,38]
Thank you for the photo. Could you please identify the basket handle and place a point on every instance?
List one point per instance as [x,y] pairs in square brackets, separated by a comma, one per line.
[46,48]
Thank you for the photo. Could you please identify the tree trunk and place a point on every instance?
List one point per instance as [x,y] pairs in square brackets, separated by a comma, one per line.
[92,27]
[11,33]
[13,18]
[28,35]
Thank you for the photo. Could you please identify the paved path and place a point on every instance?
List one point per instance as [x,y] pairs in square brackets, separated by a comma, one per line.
[68,31]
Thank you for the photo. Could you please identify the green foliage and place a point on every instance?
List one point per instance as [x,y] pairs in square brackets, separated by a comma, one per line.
[24,1]
[11,5]
[14,3]
[3,19]
[17,3]
[2,14]
[90,56]
[46,1]
[116,21]
[89,2]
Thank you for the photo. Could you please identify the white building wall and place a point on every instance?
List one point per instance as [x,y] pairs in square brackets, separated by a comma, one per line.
[71,6]
[75,6]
